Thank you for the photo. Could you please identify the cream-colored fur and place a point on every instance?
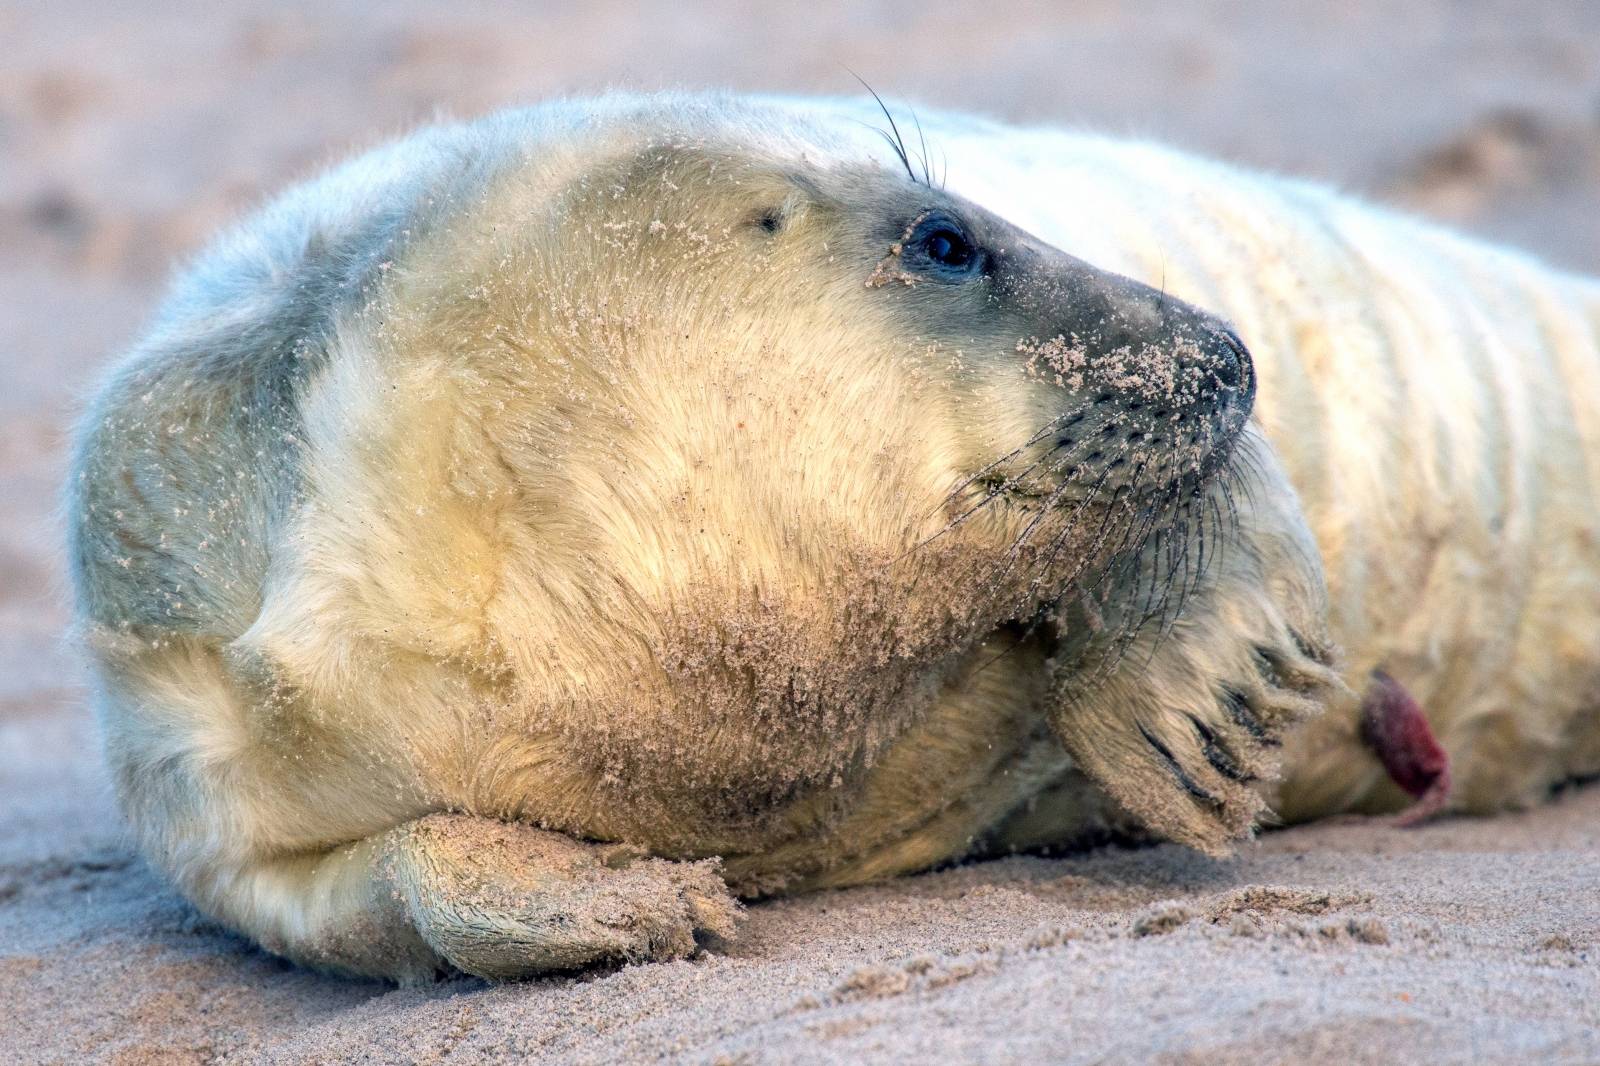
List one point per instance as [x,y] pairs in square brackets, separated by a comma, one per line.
[518,471]
[1436,403]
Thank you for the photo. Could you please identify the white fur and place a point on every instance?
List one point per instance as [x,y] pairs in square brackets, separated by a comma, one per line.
[1436,402]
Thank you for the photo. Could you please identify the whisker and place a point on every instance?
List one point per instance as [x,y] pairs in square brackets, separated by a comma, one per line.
[927,176]
[897,142]
[1001,489]
[1116,553]
[1045,431]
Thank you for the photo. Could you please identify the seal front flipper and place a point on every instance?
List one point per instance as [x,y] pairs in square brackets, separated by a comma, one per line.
[1181,735]
[1180,723]
[505,901]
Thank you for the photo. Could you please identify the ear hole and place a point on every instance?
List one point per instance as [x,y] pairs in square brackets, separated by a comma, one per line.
[770,220]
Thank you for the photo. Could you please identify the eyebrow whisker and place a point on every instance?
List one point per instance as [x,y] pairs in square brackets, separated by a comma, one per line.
[896,142]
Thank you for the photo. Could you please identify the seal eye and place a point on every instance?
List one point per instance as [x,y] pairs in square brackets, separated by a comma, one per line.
[938,247]
[947,247]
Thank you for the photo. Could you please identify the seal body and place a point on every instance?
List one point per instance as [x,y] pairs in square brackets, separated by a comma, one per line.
[498,533]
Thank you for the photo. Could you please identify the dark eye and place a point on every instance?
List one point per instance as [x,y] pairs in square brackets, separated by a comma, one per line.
[947,247]
[938,247]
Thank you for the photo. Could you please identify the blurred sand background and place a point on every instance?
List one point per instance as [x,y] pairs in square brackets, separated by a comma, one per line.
[129,132]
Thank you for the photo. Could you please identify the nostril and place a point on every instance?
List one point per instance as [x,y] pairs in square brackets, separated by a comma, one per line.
[1233,359]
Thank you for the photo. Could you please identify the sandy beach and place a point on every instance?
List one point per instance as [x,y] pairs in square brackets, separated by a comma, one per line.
[127,136]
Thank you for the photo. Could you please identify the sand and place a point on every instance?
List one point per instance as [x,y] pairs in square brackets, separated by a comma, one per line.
[128,133]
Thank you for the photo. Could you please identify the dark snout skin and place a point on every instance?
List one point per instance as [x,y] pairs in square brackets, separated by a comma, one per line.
[1112,319]
[1158,391]
[1152,391]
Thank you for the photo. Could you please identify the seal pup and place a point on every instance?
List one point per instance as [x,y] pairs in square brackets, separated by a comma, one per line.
[497,534]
